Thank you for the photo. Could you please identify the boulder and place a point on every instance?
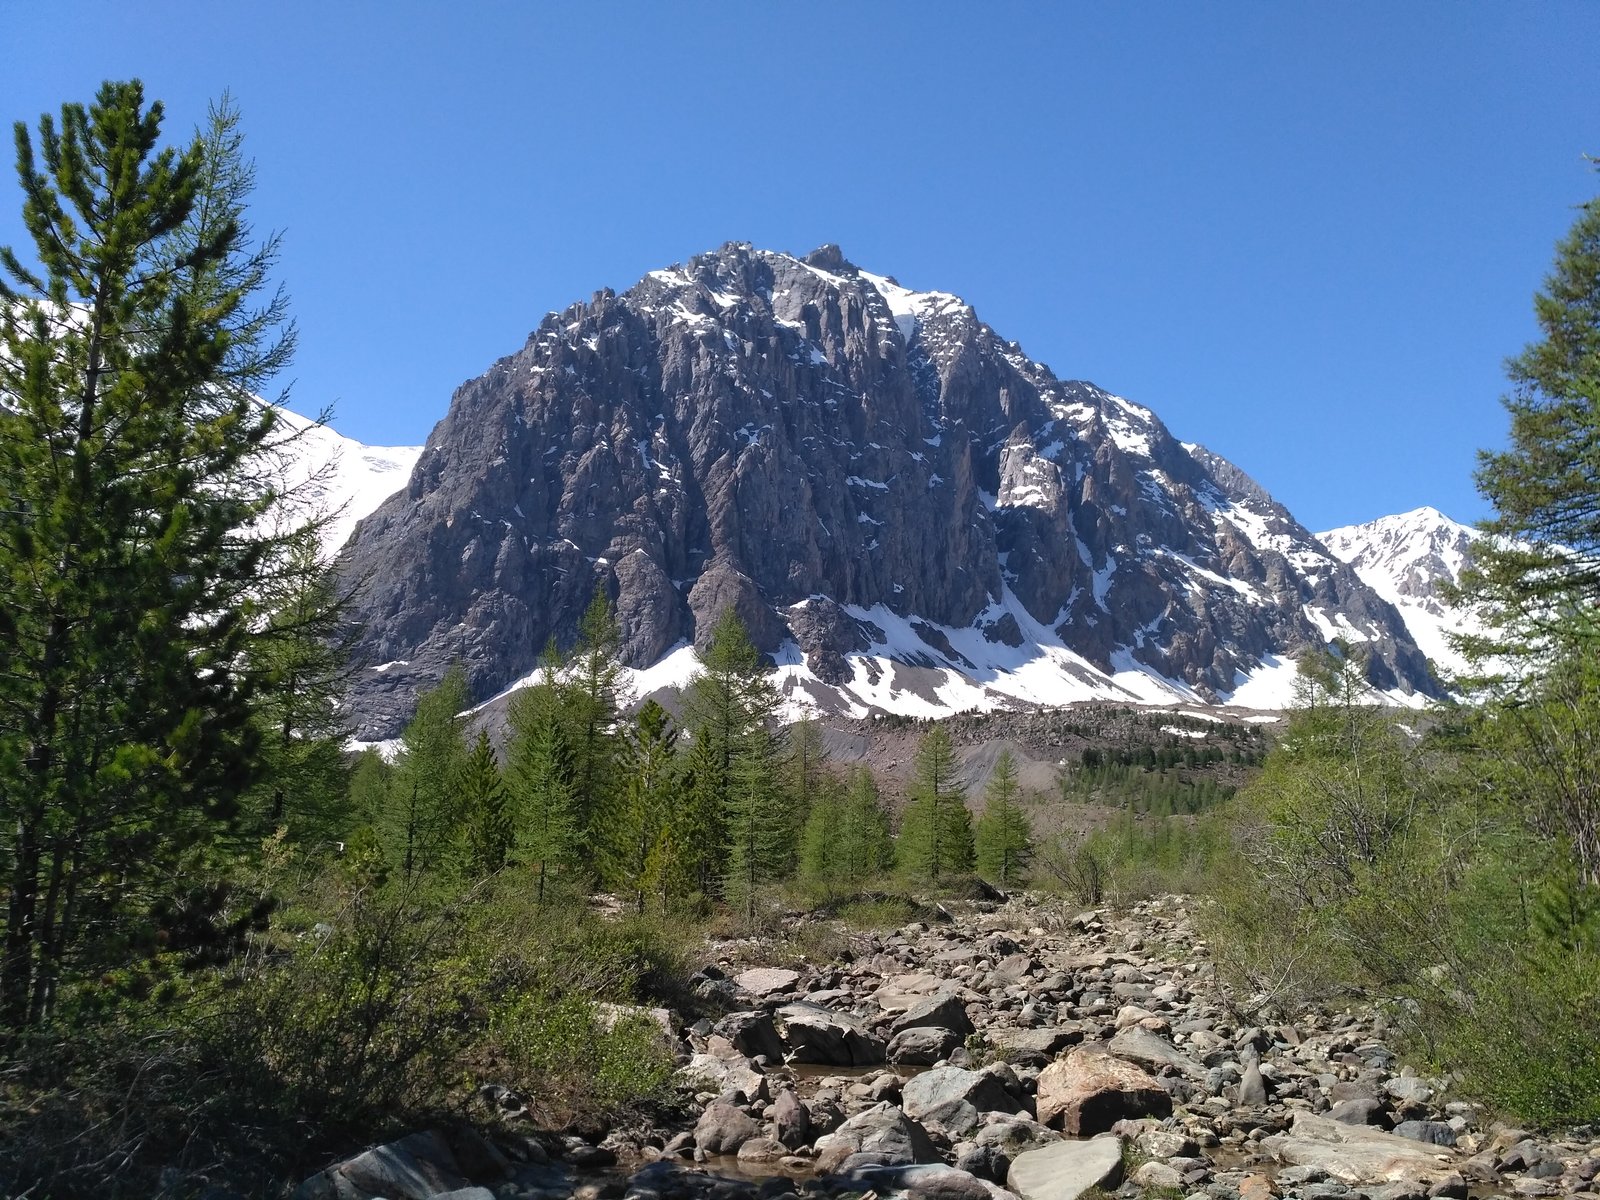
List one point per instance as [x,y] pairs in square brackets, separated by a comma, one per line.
[883,1134]
[1066,1170]
[1152,1051]
[900,992]
[941,1087]
[1357,1154]
[416,1167]
[1043,1043]
[714,1073]
[766,981]
[1088,1091]
[752,1034]
[790,1119]
[821,1035]
[722,1128]
[922,1045]
[942,1010]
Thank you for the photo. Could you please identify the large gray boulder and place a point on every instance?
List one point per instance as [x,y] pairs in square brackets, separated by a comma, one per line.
[953,1100]
[1358,1155]
[922,1045]
[943,1010]
[1066,1170]
[417,1167]
[815,1034]
[722,1128]
[883,1136]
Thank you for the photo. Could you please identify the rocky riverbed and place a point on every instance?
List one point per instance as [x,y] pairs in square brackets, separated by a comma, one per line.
[1005,1051]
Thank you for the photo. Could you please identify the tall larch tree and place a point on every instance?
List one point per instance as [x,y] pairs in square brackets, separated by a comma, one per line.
[539,784]
[935,829]
[1005,835]
[725,704]
[590,712]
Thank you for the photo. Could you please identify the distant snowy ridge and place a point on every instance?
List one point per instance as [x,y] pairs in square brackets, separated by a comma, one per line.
[1405,558]
[324,472]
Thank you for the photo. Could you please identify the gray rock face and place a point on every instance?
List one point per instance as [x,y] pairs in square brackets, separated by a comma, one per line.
[1066,1170]
[884,1134]
[416,1167]
[722,1129]
[940,1011]
[803,441]
[954,1099]
[816,1034]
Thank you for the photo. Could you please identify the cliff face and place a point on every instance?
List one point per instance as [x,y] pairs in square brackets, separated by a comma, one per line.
[831,454]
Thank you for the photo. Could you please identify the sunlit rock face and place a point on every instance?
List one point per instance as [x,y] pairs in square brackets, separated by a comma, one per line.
[907,512]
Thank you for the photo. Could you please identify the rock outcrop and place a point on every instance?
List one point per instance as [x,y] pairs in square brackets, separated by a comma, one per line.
[887,492]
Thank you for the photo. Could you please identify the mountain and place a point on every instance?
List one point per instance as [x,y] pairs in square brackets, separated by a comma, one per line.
[908,513]
[1406,558]
[323,471]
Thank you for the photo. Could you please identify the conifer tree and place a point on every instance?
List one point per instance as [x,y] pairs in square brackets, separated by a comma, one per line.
[804,772]
[538,780]
[1539,571]
[846,841]
[483,799]
[422,829]
[127,555]
[1005,835]
[760,838]
[640,838]
[725,704]
[935,830]
[299,656]
[590,707]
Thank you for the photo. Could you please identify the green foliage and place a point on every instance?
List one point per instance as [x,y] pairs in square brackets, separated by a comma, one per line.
[640,853]
[588,709]
[1005,835]
[935,829]
[421,826]
[128,560]
[728,707]
[539,783]
[846,842]
[760,839]
[1537,575]
[488,813]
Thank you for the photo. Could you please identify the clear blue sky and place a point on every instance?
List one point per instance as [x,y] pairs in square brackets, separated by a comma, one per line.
[1307,235]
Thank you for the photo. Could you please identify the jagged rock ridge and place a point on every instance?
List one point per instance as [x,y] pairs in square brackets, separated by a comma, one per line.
[868,475]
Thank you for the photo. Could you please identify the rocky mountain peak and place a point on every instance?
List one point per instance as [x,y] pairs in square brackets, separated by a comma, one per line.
[907,511]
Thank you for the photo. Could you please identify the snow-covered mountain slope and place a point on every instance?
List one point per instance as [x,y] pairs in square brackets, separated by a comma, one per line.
[905,510]
[322,471]
[1405,558]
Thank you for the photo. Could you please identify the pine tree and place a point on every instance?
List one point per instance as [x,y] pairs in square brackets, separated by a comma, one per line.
[649,809]
[725,704]
[804,772]
[846,841]
[422,829]
[1538,573]
[538,779]
[127,556]
[935,830]
[487,814]
[1005,836]
[590,710]
[760,841]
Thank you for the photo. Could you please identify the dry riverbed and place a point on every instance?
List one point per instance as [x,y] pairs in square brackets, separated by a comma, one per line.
[1008,1051]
